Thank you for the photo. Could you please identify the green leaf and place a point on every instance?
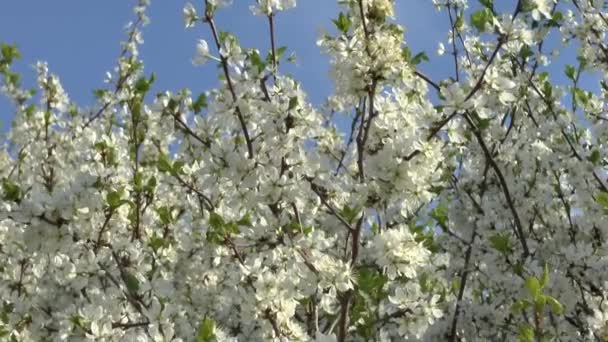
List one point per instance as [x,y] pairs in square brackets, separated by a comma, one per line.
[371,283]
[533,287]
[232,228]
[142,86]
[114,199]
[12,192]
[481,18]
[138,181]
[483,123]
[178,167]
[581,96]
[206,331]
[281,51]
[556,306]
[539,303]
[406,52]
[487,3]
[164,163]
[421,56]
[200,103]
[375,229]
[223,35]
[164,214]
[99,93]
[9,53]
[342,23]
[595,157]
[440,214]
[245,221]
[520,306]
[157,242]
[602,199]
[257,61]
[293,103]
[544,280]
[570,71]
[556,19]
[526,334]
[150,185]
[216,221]
[547,89]
[528,5]
[78,321]
[131,282]
[459,22]
[349,214]
[501,243]
[526,52]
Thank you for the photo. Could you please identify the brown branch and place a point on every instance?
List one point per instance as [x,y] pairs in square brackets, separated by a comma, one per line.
[323,197]
[272,45]
[224,63]
[519,231]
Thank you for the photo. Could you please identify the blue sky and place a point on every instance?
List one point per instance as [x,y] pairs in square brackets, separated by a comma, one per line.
[80,41]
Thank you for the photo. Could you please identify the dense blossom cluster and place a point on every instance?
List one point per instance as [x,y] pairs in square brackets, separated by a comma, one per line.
[474,208]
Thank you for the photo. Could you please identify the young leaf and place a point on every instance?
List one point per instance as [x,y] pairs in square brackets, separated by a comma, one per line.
[570,71]
[164,164]
[200,103]
[157,242]
[602,199]
[526,52]
[281,51]
[131,282]
[113,199]
[520,306]
[481,18]
[12,192]
[245,221]
[539,303]
[342,23]
[595,157]
[164,214]
[421,56]
[501,243]
[142,86]
[406,52]
[216,221]
[556,306]
[206,331]
[487,3]
[533,287]
[293,103]
[349,214]
[440,214]
[526,334]
[256,60]
[544,280]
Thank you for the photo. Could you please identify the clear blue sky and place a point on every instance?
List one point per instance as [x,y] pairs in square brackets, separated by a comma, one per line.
[80,41]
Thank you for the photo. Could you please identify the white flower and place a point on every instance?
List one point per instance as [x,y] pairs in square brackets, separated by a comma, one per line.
[190,16]
[202,53]
[543,8]
[220,3]
[268,7]
[454,97]
[440,49]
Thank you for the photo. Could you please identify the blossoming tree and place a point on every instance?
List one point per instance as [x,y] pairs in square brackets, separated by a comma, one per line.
[470,208]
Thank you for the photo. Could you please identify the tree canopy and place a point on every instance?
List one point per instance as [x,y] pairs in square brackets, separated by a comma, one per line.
[469,208]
